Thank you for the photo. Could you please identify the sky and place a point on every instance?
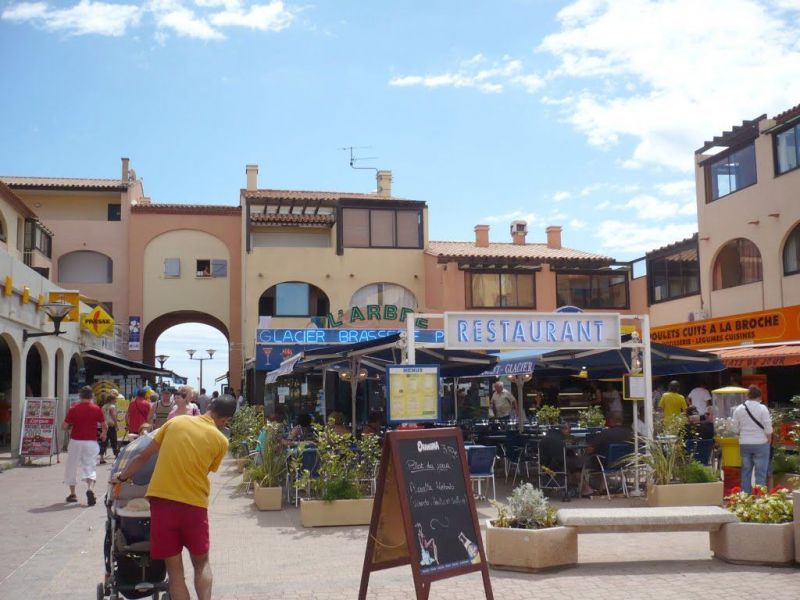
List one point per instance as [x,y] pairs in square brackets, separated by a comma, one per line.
[176,340]
[584,114]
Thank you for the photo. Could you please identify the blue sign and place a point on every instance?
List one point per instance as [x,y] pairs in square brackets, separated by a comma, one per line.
[269,358]
[332,337]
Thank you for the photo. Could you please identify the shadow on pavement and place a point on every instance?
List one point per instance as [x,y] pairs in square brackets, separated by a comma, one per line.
[58,507]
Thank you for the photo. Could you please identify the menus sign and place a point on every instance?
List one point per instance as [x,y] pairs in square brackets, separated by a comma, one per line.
[38,427]
[526,330]
[424,511]
[413,393]
[633,387]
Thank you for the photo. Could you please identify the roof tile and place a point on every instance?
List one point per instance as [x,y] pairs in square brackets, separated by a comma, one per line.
[186,209]
[292,219]
[62,182]
[270,194]
[514,251]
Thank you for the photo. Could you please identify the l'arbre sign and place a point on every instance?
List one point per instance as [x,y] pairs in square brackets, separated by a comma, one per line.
[522,330]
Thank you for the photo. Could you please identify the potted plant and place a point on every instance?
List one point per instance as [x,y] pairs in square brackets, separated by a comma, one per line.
[343,482]
[524,535]
[548,415]
[786,469]
[268,470]
[591,417]
[764,534]
[727,438]
[245,426]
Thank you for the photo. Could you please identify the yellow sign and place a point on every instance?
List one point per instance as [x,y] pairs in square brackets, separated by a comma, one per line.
[413,393]
[73,298]
[97,322]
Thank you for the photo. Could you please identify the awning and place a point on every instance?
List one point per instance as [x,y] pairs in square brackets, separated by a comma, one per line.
[764,356]
[123,364]
[286,368]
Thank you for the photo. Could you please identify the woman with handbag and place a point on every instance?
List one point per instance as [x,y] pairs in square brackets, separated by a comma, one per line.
[754,424]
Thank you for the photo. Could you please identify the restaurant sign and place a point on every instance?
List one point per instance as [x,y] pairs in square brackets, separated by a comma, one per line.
[766,326]
[373,312]
[332,337]
[524,330]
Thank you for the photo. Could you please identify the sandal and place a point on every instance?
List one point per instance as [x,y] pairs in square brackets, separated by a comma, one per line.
[72,498]
[90,498]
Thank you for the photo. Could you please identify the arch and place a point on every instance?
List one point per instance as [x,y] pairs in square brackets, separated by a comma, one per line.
[85,266]
[75,366]
[9,388]
[293,299]
[384,293]
[159,325]
[791,251]
[738,262]
[37,367]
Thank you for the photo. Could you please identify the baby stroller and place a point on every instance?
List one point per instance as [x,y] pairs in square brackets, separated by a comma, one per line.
[130,572]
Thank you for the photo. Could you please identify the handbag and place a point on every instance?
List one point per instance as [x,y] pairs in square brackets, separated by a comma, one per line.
[749,414]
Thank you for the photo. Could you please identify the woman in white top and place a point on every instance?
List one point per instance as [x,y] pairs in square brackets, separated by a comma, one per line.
[754,424]
[184,404]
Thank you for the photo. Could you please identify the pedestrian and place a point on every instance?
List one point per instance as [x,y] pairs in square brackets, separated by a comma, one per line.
[183,403]
[82,420]
[138,411]
[239,400]
[503,402]
[754,424]
[161,408]
[110,414]
[672,402]
[698,398]
[202,401]
[179,492]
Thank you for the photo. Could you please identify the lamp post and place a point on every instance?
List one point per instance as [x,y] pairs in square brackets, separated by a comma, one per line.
[161,358]
[56,311]
[191,354]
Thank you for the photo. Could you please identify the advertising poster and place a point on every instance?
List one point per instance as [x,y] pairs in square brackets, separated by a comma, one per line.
[122,414]
[134,332]
[38,427]
[413,393]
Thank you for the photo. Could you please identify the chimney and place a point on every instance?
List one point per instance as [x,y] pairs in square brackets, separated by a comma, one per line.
[554,237]
[519,229]
[384,184]
[252,176]
[125,164]
[482,236]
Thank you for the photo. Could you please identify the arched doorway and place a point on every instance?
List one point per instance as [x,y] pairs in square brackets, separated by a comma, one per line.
[200,371]
[9,355]
[77,376]
[36,367]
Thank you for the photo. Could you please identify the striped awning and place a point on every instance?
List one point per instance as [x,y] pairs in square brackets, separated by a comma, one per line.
[763,356]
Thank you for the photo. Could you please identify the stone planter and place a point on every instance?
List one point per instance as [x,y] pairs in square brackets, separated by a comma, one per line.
[685,494]
[267,498]
[531,549]
[754,543]
[318,513]
[796,503]
[790,481]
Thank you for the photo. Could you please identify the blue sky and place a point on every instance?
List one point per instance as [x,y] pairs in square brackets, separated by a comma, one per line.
[583,114]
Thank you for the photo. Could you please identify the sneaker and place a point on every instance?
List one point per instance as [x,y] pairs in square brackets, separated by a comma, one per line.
[72,498]
[102,461]
[90,498]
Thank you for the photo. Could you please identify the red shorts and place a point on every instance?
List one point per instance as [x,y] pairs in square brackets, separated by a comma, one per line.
[174,525]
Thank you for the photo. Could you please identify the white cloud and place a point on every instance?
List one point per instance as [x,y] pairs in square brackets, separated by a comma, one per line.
[627,239]
[516,215]
[264,17]
[475,73]
[649,207]
[86,17]
[577,224]
[671,72]
[683,187]
[561,196]
[172,15]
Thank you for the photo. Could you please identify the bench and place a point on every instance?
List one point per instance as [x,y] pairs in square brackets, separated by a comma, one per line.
[645,519]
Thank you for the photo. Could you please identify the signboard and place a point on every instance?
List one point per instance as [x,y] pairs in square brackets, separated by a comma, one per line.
[97,322]
[633,387]
[373,312]
[525,330]
[134,332]
[122,405]
[412,394]
[73,298]
[424,511]
[332,337]
[37,437]
[766,326]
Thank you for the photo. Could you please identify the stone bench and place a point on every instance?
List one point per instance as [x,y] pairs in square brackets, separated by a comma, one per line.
[645,519]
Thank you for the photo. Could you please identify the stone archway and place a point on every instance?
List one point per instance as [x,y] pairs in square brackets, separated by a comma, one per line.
[37,368]
[9,389]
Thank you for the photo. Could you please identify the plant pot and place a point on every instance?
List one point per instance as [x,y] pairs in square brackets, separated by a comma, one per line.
[319,513]
[796,502]
[754,543]
[267,498]
[531,549]
[685,494]
[730,451]
[790,481]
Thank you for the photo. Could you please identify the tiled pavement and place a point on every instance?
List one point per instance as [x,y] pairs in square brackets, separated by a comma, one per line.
[53,550]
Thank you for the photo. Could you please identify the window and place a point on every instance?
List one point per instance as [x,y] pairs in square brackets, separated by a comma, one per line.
[115,212]
[2,230]
[501,290]
[20,234]
[36,238]
[673,275]
[85,266]
[172,267]
[384,293]
[787,150]
[738,263]
[381,228]
[293,299]
[592,290]
[733,172]
[208,268]
[791,253]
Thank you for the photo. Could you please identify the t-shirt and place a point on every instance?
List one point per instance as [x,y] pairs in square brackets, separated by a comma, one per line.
[84,418]
[698,397]
[194,411]
[502,403]
[190,447]
[749,432]
[672,404]
[138,413]
[107,408]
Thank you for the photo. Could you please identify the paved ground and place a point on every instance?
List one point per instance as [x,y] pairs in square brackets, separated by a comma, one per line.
[53,550]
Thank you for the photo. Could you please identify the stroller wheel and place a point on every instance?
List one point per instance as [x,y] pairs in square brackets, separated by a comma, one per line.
[101,591]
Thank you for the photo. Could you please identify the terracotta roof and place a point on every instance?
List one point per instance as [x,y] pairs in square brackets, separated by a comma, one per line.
[770,356]
[16,201]
[269,194]
[526,252]
[292,219]
[788,114]
[674,245]
[186,209]
[63,183]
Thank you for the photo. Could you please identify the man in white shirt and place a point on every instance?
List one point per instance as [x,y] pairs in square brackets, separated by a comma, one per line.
[503,402]
[752,421]
[698,398]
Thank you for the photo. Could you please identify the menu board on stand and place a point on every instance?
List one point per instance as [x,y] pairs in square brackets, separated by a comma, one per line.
[424,511]
[38,432]
[412,394]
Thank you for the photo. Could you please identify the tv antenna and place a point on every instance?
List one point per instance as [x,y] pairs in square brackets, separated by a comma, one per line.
[354,159]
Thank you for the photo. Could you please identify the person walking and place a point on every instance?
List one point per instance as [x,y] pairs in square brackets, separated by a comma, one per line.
[503,402]
[754,424]
[184,404]
[138,411]
[202,401]
[161,408]
[672,402]
[179,492]
[110,415]
[82,420]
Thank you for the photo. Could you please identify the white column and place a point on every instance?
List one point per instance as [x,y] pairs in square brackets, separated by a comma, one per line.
[648,377]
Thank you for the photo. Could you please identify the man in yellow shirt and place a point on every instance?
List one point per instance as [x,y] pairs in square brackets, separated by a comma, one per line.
[188,449]
[672,403]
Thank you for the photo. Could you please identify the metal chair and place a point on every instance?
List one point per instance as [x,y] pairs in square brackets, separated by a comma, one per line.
[480,460]
[552,474]
[613,465]
[700,450]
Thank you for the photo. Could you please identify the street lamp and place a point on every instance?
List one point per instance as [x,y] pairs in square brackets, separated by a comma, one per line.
[161,358]
[191,354]
[56,311]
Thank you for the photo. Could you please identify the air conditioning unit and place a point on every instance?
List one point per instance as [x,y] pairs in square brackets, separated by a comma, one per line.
[698,315]
[519,227]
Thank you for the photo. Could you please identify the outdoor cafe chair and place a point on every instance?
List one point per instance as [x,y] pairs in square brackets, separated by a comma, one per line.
[308,463]
[613,465]
[480,460]
[700,450]
[554,476]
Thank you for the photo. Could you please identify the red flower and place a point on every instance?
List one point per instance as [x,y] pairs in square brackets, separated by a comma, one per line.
[736,489]
[778,488]
[758,490]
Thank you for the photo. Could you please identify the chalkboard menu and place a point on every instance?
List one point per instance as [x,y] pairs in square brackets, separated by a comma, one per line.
[424,511]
